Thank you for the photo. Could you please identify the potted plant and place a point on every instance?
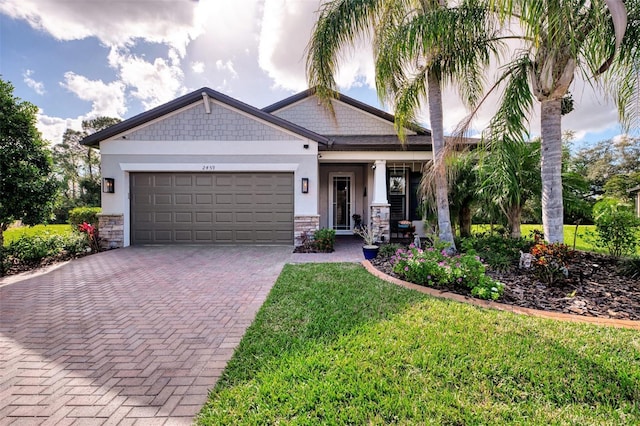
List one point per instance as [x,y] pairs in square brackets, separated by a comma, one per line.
[370,237]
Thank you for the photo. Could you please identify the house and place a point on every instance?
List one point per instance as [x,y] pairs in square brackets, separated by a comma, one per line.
[207,168]
[636,191]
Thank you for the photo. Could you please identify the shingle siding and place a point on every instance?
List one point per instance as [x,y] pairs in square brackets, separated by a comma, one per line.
[222,124]
[348,121]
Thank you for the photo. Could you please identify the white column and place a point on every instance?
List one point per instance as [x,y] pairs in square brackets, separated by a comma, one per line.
[380,183]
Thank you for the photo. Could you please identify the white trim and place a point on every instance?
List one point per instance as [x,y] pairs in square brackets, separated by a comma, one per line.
[209,167]
[210,147]
[352,178]
[371,156]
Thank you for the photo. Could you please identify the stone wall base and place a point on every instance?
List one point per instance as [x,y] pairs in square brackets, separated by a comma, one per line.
[111,230]
[304,225]
[380,214]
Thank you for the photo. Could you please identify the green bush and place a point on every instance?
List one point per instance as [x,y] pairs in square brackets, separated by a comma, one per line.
[629,267]
[501,253]
[388,250]
[37,247]
[84,214]
[616,227]
[433,267]
[324,240]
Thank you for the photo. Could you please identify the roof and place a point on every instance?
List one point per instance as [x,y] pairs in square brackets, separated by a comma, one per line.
[348,100]
[377,143]
[634,189]
[94,139]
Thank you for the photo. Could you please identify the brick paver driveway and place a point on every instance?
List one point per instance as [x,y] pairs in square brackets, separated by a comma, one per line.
[136,335]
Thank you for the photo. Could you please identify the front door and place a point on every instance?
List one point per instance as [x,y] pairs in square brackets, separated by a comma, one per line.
[341,202]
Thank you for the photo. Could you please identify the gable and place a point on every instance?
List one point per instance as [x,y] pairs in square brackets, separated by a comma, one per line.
[193,123]
[348,121]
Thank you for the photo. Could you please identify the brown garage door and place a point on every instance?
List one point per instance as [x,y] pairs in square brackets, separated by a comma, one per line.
[224,208]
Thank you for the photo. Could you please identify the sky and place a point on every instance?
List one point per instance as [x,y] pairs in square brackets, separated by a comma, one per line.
[78,59]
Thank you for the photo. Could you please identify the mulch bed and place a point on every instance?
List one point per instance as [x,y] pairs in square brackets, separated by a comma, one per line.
[16,267]
[593,288]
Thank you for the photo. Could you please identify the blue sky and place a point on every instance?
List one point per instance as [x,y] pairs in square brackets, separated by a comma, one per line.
[80,59]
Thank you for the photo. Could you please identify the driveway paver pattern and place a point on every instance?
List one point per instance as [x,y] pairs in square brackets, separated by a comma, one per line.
[130,336]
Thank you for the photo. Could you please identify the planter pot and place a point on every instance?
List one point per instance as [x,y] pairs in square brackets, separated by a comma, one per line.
[370,252]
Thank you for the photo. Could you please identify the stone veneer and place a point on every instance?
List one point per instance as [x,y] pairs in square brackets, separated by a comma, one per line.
[380,220]
[111,230]
[304,224]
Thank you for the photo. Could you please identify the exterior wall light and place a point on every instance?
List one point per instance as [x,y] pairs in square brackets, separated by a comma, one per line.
[108,185]
[305,185]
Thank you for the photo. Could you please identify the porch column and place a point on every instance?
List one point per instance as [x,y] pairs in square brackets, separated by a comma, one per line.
[380,207]
[380,182]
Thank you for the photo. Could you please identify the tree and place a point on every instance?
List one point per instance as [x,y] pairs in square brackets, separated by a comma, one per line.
[78,166]
[27,188]
[418,47]
[559,40]
[509,177]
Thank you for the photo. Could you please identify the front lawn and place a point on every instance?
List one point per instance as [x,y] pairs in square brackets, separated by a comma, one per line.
[335,345]
[13,234]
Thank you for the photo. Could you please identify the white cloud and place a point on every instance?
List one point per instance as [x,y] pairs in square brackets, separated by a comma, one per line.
[153,83]
[197,67]
[52,128]
[37,86]
[115,24]
[226,66]
[107,99]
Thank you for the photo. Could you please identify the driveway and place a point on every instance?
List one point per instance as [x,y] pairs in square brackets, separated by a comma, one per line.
[130,336]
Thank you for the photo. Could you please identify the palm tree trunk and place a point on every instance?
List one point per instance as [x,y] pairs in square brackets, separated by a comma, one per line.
[437,137]
[551,170]
[465,221]
[514,216]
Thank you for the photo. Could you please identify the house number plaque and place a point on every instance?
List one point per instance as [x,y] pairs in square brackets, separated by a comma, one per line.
[208,167]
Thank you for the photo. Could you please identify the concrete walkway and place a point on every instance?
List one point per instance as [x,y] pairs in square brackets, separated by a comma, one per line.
[130,336]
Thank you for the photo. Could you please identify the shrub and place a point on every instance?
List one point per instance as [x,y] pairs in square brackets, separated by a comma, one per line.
[500,253]
[37,247]
[630,267]
[616,227]
[84,214]
[324,240]
[388,250]
[435,268]
[551,261]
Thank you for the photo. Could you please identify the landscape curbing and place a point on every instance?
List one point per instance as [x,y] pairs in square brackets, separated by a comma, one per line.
[629,324]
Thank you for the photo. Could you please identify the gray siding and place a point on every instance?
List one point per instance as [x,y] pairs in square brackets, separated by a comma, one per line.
[309,114]
[222,124]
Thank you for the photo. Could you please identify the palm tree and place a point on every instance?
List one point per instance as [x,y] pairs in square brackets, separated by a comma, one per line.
[561,38]
[509,176]
[419,46]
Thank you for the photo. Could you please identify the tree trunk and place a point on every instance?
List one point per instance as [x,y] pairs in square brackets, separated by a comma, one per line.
[551,170]
[437,137]
[465,221]
[514,217]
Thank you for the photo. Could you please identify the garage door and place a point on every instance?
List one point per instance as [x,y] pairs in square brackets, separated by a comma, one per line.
[223,208]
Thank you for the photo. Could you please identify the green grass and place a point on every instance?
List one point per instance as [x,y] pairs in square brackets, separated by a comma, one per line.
[335,345]
[582,243]
[13,234]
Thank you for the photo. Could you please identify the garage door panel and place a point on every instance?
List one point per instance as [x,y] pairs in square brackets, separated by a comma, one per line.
[204,199]
[215,208]
[162,180]
[184,199]
[162,199]
[184,180]
[184,217]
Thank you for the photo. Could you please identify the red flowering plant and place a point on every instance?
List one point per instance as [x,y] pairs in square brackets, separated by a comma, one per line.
[551,261]
[92,235]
